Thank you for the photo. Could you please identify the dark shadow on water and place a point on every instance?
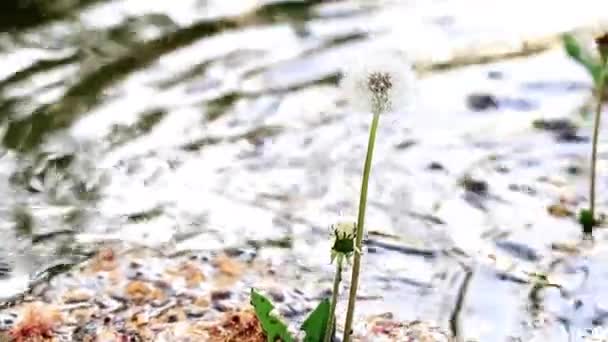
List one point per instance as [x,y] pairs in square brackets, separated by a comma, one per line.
[23,14]
[27,133]
[122,133]
[36,68]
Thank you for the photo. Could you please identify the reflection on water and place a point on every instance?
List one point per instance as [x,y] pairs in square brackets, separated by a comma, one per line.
[209,124]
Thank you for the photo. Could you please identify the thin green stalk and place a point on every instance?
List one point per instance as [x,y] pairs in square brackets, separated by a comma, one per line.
[334,299]
[354,282]
[596,129]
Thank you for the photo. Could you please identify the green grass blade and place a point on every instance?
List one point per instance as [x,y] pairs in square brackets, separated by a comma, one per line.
[316,323]
[576,52]
[272,326]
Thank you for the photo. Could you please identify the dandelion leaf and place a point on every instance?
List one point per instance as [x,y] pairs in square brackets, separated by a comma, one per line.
[316,323]
[576,52]
[272,326]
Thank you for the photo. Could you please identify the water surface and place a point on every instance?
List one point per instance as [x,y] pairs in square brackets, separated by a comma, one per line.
[210,125]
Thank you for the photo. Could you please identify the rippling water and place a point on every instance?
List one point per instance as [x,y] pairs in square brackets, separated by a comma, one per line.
[206,124]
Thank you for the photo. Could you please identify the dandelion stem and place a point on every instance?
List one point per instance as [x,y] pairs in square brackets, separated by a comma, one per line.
[596,129]
[354,282]
[334,299]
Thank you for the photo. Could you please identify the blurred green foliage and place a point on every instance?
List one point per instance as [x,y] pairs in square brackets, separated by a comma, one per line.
[583,57]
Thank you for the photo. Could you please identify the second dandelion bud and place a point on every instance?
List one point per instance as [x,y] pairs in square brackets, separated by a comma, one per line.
[342,249]
[344,241]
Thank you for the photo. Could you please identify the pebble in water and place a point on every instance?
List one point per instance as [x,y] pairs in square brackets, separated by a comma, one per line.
[482,102]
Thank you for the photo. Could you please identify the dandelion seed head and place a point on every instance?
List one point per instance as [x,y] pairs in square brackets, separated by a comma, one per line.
[379,83]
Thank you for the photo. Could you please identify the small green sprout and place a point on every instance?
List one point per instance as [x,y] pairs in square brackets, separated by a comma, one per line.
[597,67]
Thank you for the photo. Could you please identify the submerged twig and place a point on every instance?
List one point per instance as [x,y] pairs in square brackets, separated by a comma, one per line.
[458,307]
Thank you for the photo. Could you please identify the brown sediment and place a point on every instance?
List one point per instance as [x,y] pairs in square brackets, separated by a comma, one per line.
[144,296]
[37,324]
[237,326]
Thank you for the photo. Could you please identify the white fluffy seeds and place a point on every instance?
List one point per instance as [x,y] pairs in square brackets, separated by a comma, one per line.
[379,83]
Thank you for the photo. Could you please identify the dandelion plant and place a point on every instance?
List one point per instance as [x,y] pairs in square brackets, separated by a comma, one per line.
[602,44]
[376,85]
[598,69]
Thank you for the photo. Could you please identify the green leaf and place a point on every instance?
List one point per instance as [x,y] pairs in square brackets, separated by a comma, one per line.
[316,323]
[575,51]
[272,326]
